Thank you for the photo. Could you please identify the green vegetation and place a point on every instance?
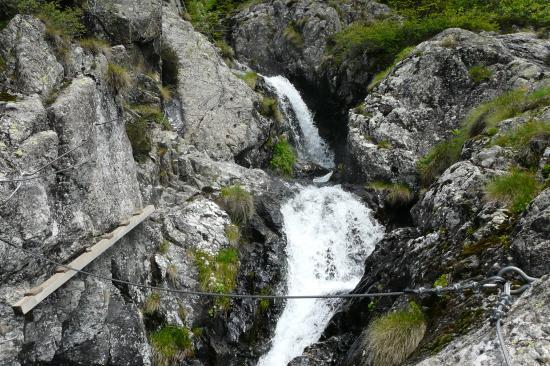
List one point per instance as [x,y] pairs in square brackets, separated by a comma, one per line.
[218,273]
[233,234]
[264,304]
[516,188]
[480,73]
[397,194]
[384,144]
[250,78]
[172,274]
[442,156]
[382,74]
[238,203]
[152,113]
[138,134]
[165,93]
[226,51]
[383,39]
[164,246]
[441,281]
[7,97]
[293,35]
[171,344]
[546,171]
[284,158]
[117,77]
[522,134]
[391,338]
[152,304]
[95,46]
[269,107]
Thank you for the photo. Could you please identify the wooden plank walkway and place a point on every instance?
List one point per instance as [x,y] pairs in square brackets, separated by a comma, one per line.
[35,295]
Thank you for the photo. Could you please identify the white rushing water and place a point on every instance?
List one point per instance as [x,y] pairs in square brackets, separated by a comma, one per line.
[308,142]
[329,235]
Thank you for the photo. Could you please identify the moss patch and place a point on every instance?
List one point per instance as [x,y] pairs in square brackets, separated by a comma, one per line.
[480,73]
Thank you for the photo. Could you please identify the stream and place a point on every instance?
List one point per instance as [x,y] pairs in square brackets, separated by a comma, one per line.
[329,234]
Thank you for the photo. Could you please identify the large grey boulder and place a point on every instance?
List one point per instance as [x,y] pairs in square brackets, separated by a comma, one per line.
[217,107]
[426,96]
[31,66]
[525,331]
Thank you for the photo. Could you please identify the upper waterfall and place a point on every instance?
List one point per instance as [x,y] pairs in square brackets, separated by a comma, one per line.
[307,141]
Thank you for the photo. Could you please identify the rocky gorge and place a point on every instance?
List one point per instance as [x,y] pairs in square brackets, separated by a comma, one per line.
[373,182]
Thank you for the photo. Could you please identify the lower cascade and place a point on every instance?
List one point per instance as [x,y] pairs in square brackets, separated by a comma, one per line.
[329,235]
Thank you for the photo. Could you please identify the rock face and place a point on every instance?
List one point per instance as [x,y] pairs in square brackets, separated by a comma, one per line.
[218,108]
[290,38]
[426,96]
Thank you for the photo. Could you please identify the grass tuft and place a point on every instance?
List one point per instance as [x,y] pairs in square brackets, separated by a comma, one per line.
[384,73]
[164,246]
[521,135]
[250,78]
[152,304]
[117,78]
[480,73]
[269,107]
[284,158]
[392,338]
[172,274]
[152,113]
[398,194]
[233,234]
[95,46]
[516,188]
[238,203]
[226,50]
[171,345]
[442,156]
[293,35]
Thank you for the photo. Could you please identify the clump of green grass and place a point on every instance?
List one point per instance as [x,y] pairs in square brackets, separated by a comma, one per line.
[152,113]
[516,188]
[480,73]
[238,203]
[269,107]
[218,273]
[95,46]
[385,144]
[521,135]
[545,171]
[449,42]
[382,74]
[226,50]
[165,93]
[117,77]
[250,78]
[138,134]
[233,234]
[283,158]
[442,156]
[59,20]
[392,338]
[441,281]
[397,194]
[171,345]
[293,35]
[172,274]
[164,246]
[152,304]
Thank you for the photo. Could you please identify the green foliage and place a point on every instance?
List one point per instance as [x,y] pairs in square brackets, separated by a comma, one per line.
[384,144]
[293,35]
[218,273]
[480,73]
[152,304]
[516,188]
[382,74]
[250,78]
[165,94]
[171,344]
[522,134]
[164,246]
[397,194]
[95,46]
[238,203]
[269,107]
[283,158]
[226,51]
[152,113]
[138,134]
[391,338]
[233,234]
[441,281]
[546,171]
[117,77]
[59,20]
[442,156]
[172,274]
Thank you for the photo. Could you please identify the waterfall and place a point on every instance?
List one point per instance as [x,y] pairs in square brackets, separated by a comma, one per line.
[329,236]
[307,141]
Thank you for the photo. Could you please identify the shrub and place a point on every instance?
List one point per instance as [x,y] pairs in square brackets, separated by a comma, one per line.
[238,203]
[171,344]
[117,77]
[95,46]
[293,35]
[521,135]
[250,78]
[152,303]
[480,73]
[225,49]
[516,188]
[392,338]
[283,158]
[233,234]
[269,107]
[382,74]
[397,194]
[218,273]
[59,21]
[439,158]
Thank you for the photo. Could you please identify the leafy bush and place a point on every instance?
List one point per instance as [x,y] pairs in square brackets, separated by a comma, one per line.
[480,73]
[218,273]
[382,74]
[516,188]
[250,78]
[238,203]
[171,344]
[391,338]
[439,158]
[284,158]
[95,46]
[117,77]
[522,134]
[397,194]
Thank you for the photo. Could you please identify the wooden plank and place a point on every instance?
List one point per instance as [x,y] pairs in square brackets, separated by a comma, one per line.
[28,302]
